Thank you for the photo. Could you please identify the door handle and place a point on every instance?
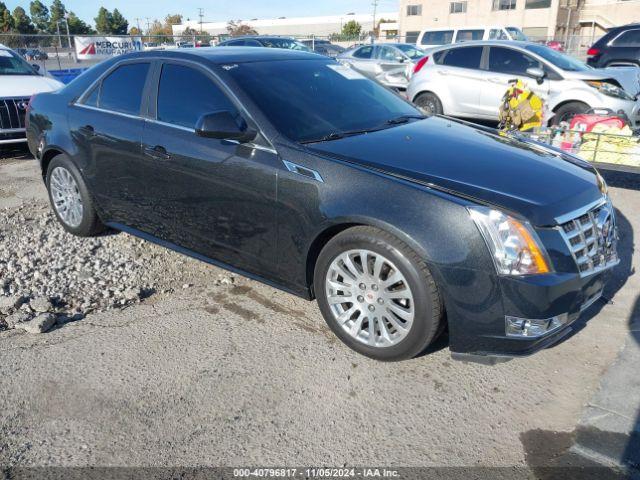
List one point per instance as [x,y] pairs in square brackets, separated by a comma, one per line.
[157,152]
[88,130]
[497,80]
[443,72]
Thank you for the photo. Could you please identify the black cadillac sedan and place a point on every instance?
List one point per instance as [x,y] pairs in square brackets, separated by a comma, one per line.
[299,172]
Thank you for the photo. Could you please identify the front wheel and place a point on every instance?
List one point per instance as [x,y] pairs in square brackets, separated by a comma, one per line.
[377,294]
[429,104]
[567,111]
[70,198]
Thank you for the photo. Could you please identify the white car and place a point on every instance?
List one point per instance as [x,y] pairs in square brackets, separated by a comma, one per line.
[435,37]
[18,82]
[469,81]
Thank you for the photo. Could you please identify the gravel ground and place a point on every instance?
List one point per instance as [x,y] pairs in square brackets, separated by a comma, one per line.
[228,373]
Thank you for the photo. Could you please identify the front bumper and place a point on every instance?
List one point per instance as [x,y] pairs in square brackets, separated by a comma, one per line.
[629,107]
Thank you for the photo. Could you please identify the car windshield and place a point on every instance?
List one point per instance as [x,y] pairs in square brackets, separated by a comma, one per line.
[559,59]
[310,100]
[12,64]
[516,34]
[410,51]
[284,43]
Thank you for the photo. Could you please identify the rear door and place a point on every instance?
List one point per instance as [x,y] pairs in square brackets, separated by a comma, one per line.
[215,197]
[364,60]
[459,69]
[393,65]
[107,125]
[504,65]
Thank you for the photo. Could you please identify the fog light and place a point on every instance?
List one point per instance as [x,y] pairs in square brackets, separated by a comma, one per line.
[530,328]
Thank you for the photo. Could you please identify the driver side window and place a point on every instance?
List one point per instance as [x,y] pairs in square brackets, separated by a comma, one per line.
[388,54]
[363,52]
[185,94]
[512,62]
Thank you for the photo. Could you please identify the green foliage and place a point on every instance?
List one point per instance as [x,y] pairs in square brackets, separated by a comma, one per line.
[77,26]
[6,20]
[238,29]
[22,22]
[103,21]
[351,29]
[119,24]
[39,15]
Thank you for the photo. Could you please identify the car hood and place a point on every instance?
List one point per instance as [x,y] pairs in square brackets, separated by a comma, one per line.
[26,85]
[628,77]
[475,163]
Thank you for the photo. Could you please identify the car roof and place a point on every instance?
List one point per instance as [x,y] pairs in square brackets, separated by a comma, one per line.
[220,55]
[495,43]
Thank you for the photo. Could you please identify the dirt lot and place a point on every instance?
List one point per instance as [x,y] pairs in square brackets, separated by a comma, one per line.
[211,369]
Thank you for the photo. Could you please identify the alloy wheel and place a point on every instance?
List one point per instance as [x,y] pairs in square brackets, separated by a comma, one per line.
[369,298]
[66,197]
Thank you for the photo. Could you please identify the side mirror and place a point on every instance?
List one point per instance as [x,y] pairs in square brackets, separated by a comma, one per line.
[400,59]
[537,73]
[36,67]
[224,126]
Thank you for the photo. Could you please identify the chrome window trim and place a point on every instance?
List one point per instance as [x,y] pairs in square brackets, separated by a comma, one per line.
[171,125]
[104,110]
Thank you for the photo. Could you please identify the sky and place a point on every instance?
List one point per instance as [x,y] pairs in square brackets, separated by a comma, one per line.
[216,10]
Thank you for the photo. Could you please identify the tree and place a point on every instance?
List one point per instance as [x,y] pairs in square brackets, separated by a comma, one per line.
[103,21]
[119,24]
[135,32]
[351,29]
[57,12]
[6,20]
[22,22]
[238,29]
[77,26]
[39,15]
[189,33]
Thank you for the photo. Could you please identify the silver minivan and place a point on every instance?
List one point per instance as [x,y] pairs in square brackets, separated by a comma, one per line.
[435,37]
[469,81]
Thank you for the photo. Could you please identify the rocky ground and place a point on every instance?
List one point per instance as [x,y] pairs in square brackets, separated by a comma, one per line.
[177,363]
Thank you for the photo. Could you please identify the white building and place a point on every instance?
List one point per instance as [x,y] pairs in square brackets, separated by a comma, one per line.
[298,27]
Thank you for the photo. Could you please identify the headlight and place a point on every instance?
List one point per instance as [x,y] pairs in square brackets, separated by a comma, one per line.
[514,245]
[609,89]
[602,184]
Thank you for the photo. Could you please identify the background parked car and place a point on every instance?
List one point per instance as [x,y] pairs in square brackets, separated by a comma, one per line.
[36,54]
[435,37]
[619,47]
[391,64]
[555,45]
[470,80]
[265,41]
[324,47]
[18,82]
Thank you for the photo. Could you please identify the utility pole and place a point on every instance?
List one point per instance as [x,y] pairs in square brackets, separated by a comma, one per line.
[148,27]
[201,15]
[137,19]
[375,10]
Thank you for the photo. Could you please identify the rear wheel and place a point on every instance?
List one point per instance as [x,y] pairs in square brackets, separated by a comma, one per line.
[377,294]
[429,104]
[567,111]
[70,199]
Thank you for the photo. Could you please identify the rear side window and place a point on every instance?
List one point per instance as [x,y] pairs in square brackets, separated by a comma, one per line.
[630,38]
[363,52]
[121,91]
[438,56]
[442,37]
[497,34]
[185,94]
[469,35]
[388,54]
[467,57]
[506,60]
[235,43]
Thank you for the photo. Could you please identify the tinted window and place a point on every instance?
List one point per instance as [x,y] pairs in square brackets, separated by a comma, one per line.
[559,59]
[234,43]
[412,37]
[469,35]
[186,94]
[12,64]
[122,90]
[92,99]
[630,38]
[497,34]
[468,57]
[410,51]
[437,38]
[294,96]
[363,52]
[505,60]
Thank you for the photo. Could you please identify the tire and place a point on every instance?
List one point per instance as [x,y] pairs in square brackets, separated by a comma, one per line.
[394,338]
[82,221]
[429,104]
[567,111]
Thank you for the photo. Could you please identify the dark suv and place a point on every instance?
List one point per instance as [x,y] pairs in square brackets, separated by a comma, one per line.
[619,47]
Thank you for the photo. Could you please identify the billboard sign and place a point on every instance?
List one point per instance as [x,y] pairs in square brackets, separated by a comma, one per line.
[99,48]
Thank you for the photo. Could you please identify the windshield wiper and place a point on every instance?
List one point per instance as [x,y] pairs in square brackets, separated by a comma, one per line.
[350,133]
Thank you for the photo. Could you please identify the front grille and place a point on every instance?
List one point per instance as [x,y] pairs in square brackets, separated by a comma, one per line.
[591,238]
[12,113]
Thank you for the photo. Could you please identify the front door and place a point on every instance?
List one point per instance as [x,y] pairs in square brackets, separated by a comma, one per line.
[215,197]
[503,66]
